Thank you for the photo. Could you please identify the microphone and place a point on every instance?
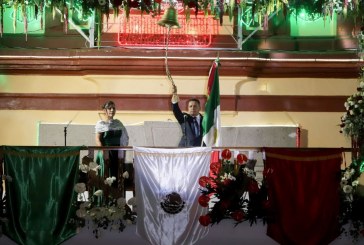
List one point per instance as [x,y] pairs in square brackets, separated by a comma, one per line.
[65,128]
[65,133]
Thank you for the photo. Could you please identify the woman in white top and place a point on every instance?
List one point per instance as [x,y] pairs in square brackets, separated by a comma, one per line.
[111,132]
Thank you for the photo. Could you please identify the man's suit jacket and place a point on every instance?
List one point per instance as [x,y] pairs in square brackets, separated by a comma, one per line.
[185,120]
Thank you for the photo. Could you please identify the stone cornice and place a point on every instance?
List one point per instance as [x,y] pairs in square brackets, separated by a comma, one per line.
[180,62]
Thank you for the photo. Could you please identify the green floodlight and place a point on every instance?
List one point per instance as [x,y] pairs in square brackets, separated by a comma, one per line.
[302,14]
[306,25]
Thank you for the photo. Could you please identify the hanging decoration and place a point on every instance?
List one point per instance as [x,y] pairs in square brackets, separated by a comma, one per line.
[15,9]
[65,17]
[40,8]
[260,9]
[24,15]
[1,19]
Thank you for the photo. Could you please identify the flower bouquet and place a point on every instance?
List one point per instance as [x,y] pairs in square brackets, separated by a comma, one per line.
[231,191]
[99,204]
[3,214]
[351,199]
[352,122]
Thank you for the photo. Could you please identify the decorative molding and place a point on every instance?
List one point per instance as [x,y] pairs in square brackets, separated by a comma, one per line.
[142,102]
[180,62]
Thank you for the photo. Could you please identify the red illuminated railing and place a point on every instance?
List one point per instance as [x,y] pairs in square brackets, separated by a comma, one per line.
[143,30]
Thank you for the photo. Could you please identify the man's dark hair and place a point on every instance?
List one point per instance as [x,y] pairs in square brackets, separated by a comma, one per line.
[195,100]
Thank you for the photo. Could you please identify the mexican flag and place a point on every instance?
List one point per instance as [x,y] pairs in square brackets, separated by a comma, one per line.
[211,123]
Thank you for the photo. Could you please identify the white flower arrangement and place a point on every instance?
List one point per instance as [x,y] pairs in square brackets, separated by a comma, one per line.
[133,203]
[361,42]
[251,174]
[349,182]
[99,203]
[108,181]
[227,176]
[352,125]
[352,121]
[3,218]
[89,166]
[126,175]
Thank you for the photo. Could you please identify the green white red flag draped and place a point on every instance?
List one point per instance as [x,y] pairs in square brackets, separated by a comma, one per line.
[158,174]
[211,122]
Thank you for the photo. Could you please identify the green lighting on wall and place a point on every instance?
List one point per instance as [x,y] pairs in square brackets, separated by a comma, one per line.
[14,20]
[304,25]
[3,82]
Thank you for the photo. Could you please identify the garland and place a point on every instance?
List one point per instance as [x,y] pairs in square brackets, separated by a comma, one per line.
[260,9]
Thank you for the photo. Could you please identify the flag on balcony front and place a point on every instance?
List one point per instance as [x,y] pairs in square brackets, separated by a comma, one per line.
[167,192]
[211,123]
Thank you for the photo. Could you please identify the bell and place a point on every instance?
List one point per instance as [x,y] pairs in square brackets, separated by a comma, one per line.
[169,18]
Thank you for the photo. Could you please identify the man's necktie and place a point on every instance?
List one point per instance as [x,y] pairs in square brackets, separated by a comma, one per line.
[195,126]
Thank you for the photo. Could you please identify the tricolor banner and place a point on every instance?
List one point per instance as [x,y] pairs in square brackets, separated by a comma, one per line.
[211,123]
[167,192]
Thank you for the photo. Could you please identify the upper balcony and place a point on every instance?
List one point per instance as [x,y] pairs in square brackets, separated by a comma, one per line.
[41,40]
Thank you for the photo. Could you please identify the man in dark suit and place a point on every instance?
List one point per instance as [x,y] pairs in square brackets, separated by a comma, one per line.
[190,122]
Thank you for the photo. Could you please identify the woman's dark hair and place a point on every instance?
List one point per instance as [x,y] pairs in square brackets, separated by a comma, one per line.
[108,104]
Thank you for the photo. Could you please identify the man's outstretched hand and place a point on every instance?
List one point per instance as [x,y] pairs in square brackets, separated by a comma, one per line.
[175,97]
